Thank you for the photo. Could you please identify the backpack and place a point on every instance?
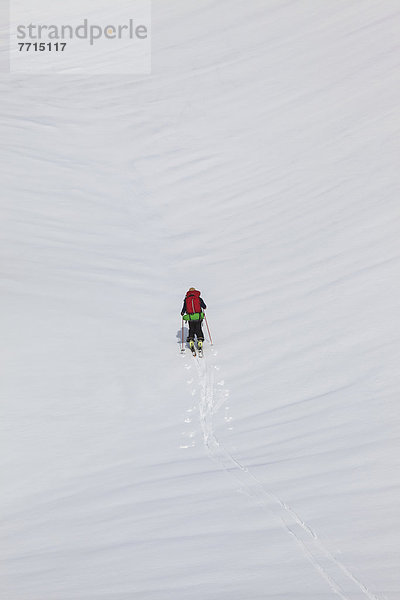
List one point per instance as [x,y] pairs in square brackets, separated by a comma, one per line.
[193,302]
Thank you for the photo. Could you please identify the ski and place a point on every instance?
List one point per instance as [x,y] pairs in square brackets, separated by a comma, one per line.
[195,351]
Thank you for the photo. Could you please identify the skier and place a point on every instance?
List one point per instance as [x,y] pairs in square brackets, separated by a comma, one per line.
[192,309]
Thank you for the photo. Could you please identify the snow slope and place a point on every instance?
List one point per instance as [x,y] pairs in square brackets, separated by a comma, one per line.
[258,162]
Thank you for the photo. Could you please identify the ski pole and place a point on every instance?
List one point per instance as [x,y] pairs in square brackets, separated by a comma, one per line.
[182,349]
[208,329]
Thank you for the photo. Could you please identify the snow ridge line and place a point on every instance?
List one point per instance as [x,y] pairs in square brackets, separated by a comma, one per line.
[331,569]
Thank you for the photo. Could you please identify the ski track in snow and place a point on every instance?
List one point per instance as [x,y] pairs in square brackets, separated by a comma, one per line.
[340,579]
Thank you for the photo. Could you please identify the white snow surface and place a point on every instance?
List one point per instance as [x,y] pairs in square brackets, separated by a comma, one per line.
[259,163]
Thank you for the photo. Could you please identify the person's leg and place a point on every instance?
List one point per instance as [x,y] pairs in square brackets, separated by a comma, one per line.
[199,331]
[192,331]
